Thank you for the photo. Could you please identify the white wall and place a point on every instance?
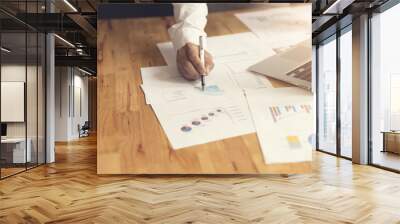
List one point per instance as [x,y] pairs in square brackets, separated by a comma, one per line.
[62,81]
[13,72]
[79,117]
[69,82]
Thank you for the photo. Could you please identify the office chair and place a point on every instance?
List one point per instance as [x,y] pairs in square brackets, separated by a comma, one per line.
[84,130]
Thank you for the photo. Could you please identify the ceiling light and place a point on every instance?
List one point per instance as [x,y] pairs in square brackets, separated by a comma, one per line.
[337,7]
[84,71]
[5,50]
[79,51]
[65,41]
[70,5]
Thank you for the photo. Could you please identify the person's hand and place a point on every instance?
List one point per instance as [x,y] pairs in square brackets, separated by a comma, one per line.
[189,64]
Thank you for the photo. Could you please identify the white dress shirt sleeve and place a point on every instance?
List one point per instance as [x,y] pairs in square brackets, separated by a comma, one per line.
[191,18]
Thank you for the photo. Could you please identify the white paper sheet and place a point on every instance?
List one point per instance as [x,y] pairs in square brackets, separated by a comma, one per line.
[237,51]
[202,122]
[190,116]
[164,84]
[283,118]
[280,27]
[245,79]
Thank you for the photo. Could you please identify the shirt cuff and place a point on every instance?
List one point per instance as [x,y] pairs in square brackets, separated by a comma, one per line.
[187,34]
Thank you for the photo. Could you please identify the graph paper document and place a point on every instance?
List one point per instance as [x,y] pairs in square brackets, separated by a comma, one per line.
[283,118]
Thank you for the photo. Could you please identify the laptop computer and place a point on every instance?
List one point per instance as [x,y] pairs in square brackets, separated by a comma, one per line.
[292,65]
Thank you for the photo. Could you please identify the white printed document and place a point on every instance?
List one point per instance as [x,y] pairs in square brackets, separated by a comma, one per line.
[283,118]
[164,84]
[204,121]
[280,27]
[190,116]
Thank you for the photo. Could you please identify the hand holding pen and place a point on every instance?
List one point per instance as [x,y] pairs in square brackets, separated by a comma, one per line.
[189,62]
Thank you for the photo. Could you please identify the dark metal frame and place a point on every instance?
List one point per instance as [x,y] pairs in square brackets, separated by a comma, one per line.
[338,98]
[316,97]
[369,90]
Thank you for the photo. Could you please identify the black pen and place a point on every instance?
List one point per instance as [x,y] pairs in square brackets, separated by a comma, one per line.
[203,81]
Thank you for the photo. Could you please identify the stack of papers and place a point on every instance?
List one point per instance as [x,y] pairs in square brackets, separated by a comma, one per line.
[190,116]
[235,101]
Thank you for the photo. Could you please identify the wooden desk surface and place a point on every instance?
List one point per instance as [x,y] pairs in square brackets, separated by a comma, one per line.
[130,138]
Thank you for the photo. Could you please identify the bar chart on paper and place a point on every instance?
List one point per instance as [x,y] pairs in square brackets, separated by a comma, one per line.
[287,115]
[288,111]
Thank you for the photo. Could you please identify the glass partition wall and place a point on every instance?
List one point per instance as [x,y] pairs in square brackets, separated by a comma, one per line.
[22,87]
[327,95]
[334,94]
[13,90]
[385,89]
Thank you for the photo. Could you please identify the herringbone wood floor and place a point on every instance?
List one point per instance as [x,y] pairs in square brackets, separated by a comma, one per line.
[69,191]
